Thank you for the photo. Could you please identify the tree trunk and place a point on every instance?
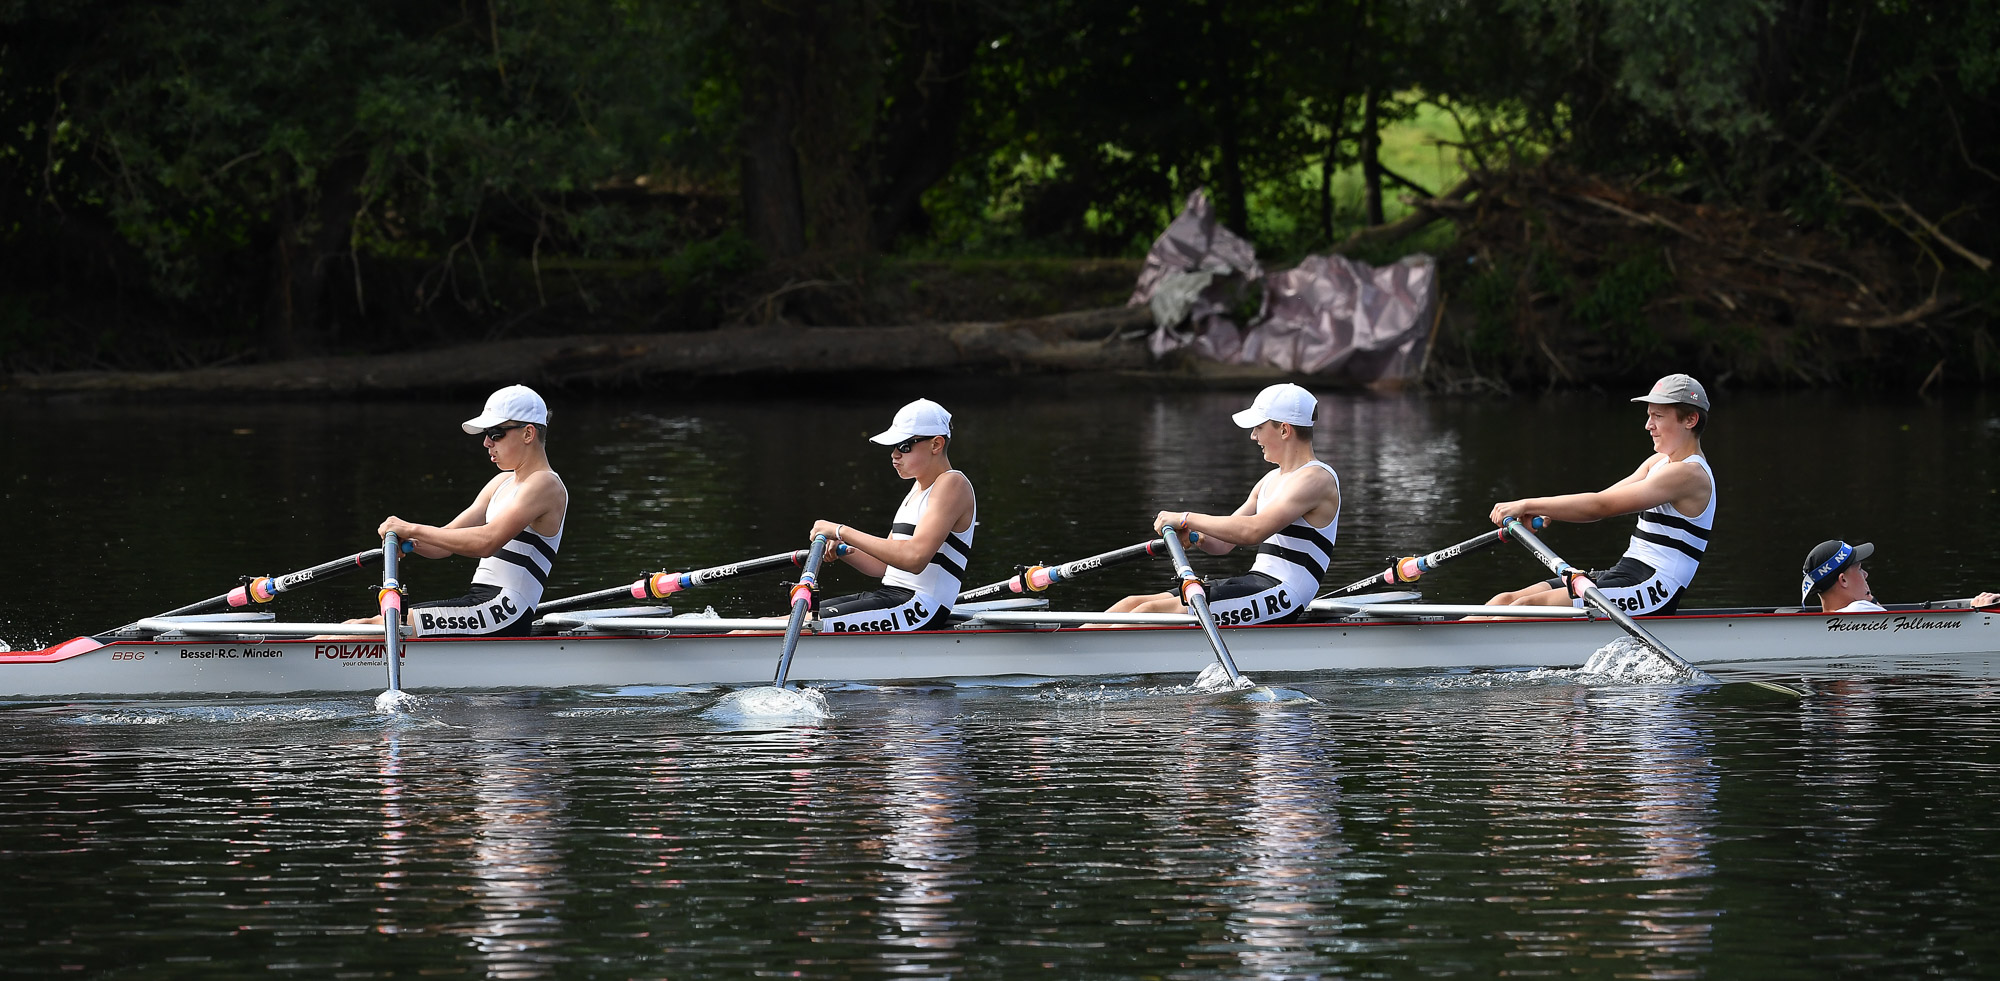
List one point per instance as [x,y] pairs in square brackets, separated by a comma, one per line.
[1371,163]
[773,203]
[308,243]
[919,141]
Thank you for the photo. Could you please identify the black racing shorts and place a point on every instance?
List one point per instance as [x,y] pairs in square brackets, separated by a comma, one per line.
[481,612]
[1635,587]
[1254,597]
[884,608]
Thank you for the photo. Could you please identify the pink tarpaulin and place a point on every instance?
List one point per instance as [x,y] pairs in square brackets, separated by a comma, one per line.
[1330,315]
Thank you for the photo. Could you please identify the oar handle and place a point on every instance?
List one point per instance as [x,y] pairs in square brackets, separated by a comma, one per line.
[1195,594]
[802,598]
[1580,585]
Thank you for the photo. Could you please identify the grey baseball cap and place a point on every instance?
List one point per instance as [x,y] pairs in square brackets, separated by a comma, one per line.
[1677,390]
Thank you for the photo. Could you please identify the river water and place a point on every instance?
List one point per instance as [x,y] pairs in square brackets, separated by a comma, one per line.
[1403,824]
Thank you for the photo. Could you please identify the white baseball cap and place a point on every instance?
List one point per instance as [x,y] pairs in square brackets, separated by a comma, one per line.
[920,418]
[1284,402]
[515,403]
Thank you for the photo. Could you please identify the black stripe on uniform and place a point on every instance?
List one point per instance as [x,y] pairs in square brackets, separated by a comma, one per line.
[1669,521]
[541,575]
[902,528]
[1295,557]
[943,561]
[1299,529]
[1673,543]
[534,541]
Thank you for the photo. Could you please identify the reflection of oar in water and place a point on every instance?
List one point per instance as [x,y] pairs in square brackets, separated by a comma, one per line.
[1411,568]
[661,585]
[1581,584]
[264,589]
[391,601]
[1037,578]
[1196,597]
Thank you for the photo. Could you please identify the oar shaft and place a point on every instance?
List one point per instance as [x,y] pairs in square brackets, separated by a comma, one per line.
[266,588]
[1197,599]
[661,585]
[1412,568]
[1589,591]
[802,597]
[391,599]
[1037,578]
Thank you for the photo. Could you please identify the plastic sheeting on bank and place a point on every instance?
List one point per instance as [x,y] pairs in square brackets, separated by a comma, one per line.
[1328,316]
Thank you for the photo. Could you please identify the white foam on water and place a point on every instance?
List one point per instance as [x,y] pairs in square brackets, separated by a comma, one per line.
[1625,661]
[396,701]
[139,715]
[767,704]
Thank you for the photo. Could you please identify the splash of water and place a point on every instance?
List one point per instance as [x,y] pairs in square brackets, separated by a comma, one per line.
[1626,661]
[396,701]
[768,704]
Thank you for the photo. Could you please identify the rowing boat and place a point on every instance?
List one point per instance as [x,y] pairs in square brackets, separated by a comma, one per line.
[251,653]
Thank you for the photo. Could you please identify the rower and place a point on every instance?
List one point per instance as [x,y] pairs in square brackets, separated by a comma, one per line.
[922,561]
[514,527]
[1293,513]
[1833,570]
[1672,492]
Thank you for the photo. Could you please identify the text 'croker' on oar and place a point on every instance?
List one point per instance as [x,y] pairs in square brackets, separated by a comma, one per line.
[660,585]
[1581,586]
[1034,579]
[1196,596]
[1411,568]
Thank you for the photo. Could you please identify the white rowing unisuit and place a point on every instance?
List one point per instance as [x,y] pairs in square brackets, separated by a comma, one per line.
[934,589]
[1296,556]
[520,571]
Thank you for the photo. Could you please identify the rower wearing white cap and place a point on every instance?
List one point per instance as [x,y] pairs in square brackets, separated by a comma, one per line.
[1673,493]
[922,561]
[1293,514]
[514,527]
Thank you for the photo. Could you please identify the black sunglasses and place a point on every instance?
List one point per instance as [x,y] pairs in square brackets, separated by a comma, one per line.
[911,443]
[499,433]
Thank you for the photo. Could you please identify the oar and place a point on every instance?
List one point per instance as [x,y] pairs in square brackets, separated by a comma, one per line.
[661,585]
[1037,578]
[391,600]
[802,595]
[1197,599]
[264,589]
[1411,568]
[1595,597]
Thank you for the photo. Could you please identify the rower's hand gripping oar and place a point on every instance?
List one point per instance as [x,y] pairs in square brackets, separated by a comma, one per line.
[391,601]
[660,585]
[1411,568]
[1580,585]
[1196,597]
[1034,579]
[802,601]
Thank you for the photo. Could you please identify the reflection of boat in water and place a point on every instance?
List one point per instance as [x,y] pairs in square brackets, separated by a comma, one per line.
[241,653]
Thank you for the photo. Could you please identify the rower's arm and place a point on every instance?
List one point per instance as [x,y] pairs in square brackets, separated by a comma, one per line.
[539,494]
[1287,503]
[951,502]
[1667,483]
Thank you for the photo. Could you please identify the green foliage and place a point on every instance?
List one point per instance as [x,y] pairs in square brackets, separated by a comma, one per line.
[1616,303]
[698,276]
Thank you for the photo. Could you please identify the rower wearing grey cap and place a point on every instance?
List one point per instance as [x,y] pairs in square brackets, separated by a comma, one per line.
[1833,571]
[1293,514]
[514,527]
[1673,493]
[922,561]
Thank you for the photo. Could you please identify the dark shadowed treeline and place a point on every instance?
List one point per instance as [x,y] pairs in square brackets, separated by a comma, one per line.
[193,182]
